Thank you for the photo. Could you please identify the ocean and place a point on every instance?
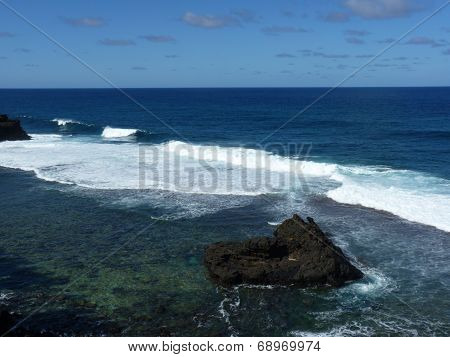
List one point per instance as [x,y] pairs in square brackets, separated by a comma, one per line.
[108,210]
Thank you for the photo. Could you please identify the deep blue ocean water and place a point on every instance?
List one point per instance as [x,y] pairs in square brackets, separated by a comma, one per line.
[371,165]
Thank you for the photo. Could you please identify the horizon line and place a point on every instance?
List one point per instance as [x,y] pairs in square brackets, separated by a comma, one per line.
[228,87]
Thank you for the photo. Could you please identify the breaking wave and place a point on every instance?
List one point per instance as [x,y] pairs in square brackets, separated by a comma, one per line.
[410,195]
[63,122]
[234,171]
[73,126]
[109,132]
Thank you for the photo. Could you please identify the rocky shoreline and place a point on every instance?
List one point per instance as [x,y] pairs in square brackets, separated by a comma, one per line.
[300,253]
[11,130]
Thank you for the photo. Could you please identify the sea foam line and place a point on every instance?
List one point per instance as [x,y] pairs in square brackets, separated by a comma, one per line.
[410,195]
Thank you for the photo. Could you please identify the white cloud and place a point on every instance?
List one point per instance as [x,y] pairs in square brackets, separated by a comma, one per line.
[354,40]
[84,21]
[420,40]
[115,42]
[337,17]
[159,38]
[387,40]
[208,21]
[308,53]
[276,30]
[358,33]
[380,9]
[285,55]
[6,34]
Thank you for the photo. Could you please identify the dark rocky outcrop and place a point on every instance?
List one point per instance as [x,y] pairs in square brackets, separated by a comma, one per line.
[299,253]
[11,129]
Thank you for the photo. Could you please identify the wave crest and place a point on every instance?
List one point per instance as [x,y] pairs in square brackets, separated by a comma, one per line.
[109,132]
[68,122]
[73,126]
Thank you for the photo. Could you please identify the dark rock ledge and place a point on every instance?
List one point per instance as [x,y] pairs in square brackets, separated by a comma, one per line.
[299,253]
[11,129]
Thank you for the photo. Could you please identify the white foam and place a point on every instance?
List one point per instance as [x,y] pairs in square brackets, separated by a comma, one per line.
[109,132]
[172,166]
[100,165]
[63,122]
[351,329]
[228,306]
[410,195]
[6,296]
[212,170]
[250,159]
[374,283]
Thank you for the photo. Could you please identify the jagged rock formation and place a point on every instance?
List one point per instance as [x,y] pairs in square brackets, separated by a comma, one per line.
[11,129]
[299,253]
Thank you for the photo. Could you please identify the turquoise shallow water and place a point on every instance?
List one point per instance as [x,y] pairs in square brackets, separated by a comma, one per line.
[377,181]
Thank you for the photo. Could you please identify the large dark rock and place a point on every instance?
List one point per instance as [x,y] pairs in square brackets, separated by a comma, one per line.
[299,253]
[11,129]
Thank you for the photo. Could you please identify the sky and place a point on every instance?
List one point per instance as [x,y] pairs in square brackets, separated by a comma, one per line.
[213,43]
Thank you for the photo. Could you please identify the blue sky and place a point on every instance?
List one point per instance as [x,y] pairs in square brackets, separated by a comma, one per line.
[212,43]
